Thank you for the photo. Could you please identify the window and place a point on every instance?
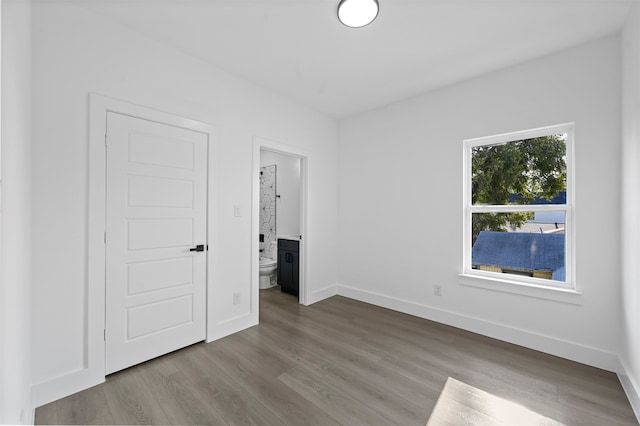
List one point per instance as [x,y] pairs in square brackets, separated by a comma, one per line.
[518,209]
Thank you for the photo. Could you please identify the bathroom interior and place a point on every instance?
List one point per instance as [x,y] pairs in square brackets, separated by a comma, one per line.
[280,177]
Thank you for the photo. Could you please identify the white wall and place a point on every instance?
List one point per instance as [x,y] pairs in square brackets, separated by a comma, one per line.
[630,235]
[15,216]
[400,201]
[77,52]
[288,187]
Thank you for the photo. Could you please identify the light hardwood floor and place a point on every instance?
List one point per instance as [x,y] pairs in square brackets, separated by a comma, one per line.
[340,361]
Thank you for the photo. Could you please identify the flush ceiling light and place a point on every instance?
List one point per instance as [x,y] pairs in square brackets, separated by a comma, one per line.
[357,13]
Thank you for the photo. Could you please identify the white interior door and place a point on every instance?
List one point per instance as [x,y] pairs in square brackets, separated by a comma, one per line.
[155,218]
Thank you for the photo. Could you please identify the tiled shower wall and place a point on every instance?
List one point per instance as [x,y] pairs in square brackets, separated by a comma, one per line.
[267,209]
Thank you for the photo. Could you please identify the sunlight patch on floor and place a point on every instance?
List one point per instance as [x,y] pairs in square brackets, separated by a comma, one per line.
[463,404]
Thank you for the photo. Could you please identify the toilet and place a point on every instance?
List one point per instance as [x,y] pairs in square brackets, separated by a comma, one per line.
[268,269]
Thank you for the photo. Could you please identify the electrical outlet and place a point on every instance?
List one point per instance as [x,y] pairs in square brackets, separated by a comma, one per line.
[437,290]
[236,298]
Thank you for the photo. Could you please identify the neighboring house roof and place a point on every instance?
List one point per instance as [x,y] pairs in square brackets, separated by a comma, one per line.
[524,251]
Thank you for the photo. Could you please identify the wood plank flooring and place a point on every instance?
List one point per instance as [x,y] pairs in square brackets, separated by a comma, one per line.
[343,362]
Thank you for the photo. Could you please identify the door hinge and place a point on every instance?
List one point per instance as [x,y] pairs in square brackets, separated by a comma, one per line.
[105,138]
[104,335]
[105,237]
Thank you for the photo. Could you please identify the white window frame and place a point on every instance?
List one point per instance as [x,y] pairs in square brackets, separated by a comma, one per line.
[535,287]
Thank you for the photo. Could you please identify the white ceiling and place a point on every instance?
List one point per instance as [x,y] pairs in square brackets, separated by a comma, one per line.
[299,49]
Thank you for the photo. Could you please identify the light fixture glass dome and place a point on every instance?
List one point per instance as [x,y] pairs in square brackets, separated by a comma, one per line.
[357,13]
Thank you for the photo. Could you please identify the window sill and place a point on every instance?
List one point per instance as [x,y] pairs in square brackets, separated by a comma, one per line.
[507,286]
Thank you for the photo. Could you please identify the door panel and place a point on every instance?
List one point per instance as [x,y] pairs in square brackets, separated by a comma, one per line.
[156,212]
[159,233]
[160,150]
[146,191]
[159,316]
[158,274]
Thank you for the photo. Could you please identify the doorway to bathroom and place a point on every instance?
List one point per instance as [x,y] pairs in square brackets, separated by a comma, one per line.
[279,220]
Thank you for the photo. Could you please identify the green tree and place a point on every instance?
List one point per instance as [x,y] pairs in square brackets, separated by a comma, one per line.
[515,172]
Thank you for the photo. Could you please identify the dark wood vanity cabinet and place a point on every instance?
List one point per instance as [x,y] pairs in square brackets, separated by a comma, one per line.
[289,266]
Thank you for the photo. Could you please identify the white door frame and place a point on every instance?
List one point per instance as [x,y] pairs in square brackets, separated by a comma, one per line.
[94,361]
[259,144]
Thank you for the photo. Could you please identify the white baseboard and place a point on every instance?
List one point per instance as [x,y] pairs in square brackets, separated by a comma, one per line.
[231,326]
[631,388]
[547,344]
[62,386]
[321,294]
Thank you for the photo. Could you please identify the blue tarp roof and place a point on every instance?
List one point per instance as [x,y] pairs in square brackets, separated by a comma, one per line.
[530,252]
[560,198]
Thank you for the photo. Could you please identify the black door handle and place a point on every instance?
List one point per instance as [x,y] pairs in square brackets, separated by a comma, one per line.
[199,247]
